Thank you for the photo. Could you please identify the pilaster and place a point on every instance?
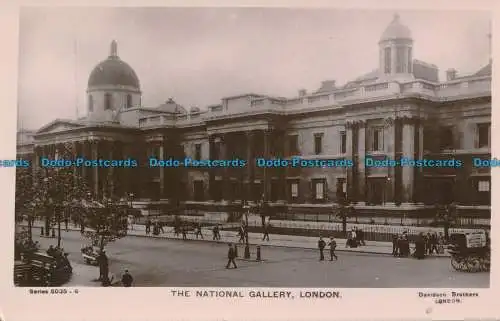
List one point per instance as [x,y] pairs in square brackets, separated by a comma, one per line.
[360,162]
[390,151]
[349,155]
[408,151]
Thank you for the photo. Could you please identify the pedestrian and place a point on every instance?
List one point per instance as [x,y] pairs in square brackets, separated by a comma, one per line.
[160,226]
[148,226]
[102,260]
[127,279]
[420,246]
[214,232]
[434,243]
[441,243]
[184,232]
[266,232]
[395,244]
[428,243]
[241,233]
[198,231]
[177,230]
[219,228]
[321,246]
[361,237]
[231,255]
[66,222]
[333,246]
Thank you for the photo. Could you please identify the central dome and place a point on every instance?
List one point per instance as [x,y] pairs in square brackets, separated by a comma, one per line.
[113,71]
[396,30]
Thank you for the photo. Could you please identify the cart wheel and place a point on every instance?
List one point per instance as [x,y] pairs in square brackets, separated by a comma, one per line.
[473,264]
[455,263]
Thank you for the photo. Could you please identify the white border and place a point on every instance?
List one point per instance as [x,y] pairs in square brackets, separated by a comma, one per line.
[157,303]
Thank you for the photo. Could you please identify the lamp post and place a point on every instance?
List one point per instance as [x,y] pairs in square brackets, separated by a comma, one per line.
[130,198]
[246,208]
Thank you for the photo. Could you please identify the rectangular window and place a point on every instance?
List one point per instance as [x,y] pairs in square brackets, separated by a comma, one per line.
[446,138]
[293,144]
[483,186]
[319,189]
[377,139]
[294,190]
[197,151]
[387,60]
[483,135]
[318,144]
[343,142]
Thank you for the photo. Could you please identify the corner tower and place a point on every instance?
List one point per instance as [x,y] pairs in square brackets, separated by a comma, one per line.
[113,86]
[396,50]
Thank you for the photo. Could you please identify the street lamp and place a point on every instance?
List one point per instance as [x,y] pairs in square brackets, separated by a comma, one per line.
[246,208]
[131,197]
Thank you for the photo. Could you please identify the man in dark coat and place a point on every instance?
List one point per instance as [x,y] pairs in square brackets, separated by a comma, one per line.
[321,247]
[231,255]
[333,246]
[103,267]
[127,279]
[266,232]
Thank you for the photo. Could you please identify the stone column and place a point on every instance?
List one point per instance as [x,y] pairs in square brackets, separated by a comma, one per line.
[225,178]
[75,169]
[390,151]
[162,170]
[251,163]
[360,163]
[408,151]
[95,170]
[111,170]
[211,171]
[349,155]
[420,171]
[266,179]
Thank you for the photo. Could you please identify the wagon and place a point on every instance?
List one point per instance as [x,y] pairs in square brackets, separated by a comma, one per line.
[90,254]
[470,252]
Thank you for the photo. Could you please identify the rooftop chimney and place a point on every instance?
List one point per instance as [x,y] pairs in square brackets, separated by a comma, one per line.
[328,84]
[451,74]
[302,92]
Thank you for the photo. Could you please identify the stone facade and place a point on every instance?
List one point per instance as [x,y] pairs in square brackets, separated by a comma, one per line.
[399,110]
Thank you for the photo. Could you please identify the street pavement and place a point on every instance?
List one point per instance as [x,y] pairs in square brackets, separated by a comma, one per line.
[170,262]
[275,240]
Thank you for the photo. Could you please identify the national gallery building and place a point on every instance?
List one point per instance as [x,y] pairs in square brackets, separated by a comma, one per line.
[400,109]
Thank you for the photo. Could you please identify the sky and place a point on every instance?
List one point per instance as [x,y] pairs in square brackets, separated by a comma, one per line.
[199,55]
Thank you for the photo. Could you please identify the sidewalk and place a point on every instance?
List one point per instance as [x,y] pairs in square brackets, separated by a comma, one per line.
[276,240]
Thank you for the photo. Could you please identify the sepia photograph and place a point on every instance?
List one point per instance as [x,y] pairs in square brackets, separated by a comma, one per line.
[253,147]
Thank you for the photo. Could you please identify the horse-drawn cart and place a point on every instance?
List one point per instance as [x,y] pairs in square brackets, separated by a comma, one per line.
[470,252]
[90,254]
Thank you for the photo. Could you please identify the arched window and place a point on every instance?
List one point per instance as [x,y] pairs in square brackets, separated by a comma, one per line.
[387,60]
[129,101]
[410,61]
[107,101]
[91,103]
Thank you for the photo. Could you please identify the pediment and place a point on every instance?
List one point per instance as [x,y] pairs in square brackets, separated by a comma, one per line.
[59,125]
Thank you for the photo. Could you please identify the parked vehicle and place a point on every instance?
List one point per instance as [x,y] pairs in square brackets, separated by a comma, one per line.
[41,269]
[470,251]
[90,254]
